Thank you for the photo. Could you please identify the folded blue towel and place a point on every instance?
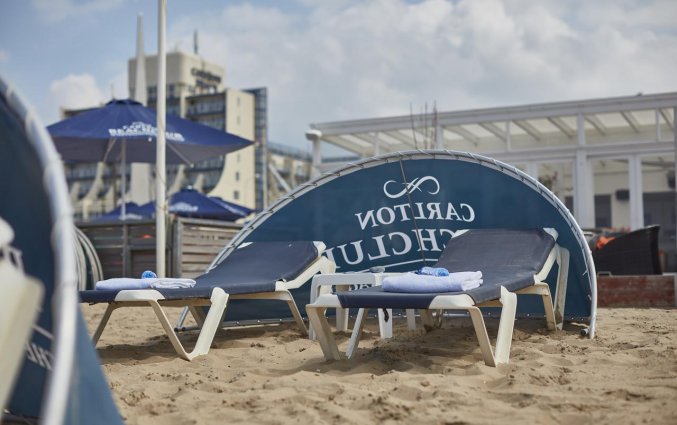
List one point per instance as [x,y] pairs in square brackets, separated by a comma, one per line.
[121,283]
[415,283]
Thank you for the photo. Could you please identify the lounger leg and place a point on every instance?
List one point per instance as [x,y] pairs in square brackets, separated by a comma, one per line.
[505,328]
[198,315]
[385,326]
[411,319]
[427,318]
[561,291]
[219,300]
[102,323]
[286,296]
[437,322]
[482,337]
[357,332]
[324,334]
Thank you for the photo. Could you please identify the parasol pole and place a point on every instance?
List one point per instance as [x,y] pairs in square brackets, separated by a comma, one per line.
[123,208]
[160,172]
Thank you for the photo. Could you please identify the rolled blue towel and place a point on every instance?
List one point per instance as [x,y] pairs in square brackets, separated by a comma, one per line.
[419,283]
[433,271]
[148,274]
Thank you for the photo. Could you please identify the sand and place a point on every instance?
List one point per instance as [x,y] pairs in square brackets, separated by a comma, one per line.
[272,375]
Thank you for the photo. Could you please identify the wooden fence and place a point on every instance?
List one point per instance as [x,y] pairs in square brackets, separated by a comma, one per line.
[127,249]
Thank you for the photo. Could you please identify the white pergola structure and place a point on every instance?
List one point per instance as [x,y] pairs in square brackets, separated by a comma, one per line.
[575,147]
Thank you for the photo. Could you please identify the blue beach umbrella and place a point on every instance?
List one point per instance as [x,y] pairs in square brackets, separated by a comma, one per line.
[191,203]
[132,212]
[126,128]
[125,131]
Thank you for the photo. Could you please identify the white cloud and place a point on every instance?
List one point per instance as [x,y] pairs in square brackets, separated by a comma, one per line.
[331,60]
[59,10]
[74,91]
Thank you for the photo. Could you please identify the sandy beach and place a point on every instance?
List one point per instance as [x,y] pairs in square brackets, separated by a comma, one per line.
[272,375]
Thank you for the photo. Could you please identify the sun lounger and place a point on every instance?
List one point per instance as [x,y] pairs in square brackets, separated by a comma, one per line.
[260,270]
[511,261]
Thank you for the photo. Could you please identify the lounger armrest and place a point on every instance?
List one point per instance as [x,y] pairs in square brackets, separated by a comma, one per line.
[320,246]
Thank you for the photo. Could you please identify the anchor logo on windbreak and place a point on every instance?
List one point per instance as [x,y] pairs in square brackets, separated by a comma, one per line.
[411,186]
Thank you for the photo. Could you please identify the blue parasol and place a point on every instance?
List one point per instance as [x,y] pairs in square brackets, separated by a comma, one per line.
[191,203]
[126,128]
[185,203]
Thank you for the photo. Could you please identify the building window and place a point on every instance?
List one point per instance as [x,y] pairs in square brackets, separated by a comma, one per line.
[237,176]
[236,194]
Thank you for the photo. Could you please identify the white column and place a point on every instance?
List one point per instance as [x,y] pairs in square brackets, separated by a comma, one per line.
[584,185]
[532,169]
[438,133]
[636,193]
[160,172]
[377,144]
[314,136]
[508,146]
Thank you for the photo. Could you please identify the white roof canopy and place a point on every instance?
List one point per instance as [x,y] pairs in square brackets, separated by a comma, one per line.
[614,126]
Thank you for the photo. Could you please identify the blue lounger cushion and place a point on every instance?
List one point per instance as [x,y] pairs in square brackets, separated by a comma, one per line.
[251,269]
[508,258]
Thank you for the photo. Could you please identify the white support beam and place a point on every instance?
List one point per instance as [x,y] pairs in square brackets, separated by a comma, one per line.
[530,129]
[438,133]
[314,137]
[493,129]
[348,145]
[658,125]
[532,169]
[636,193]
[535,111]
[666,117]
[377,143]
[631,120]
[584,205]
[508,137]
[597,123]
[467,135]
[397,135]
[562,126]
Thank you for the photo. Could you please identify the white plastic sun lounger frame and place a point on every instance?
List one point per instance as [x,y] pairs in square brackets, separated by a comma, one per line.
[554,313]
[217,303]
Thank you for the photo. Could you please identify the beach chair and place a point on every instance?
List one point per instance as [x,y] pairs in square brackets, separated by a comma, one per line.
[511,261]
[259,270]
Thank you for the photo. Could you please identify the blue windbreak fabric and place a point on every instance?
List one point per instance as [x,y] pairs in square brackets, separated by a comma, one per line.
[26,207]
[251,269]
[363,213]
[508,258]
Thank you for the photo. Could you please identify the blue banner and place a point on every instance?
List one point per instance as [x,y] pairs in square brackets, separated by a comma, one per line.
[398,211]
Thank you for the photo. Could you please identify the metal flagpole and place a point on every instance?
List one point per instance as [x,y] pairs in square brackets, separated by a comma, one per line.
[160,172]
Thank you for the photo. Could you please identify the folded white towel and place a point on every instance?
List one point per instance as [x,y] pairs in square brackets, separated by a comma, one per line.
[168,282]
[411,282]
[121,283]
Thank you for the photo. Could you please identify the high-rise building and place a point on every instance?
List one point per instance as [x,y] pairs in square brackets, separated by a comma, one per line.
[196,91]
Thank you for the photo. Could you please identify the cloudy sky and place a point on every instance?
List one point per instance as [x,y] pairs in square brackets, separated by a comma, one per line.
[327,60]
